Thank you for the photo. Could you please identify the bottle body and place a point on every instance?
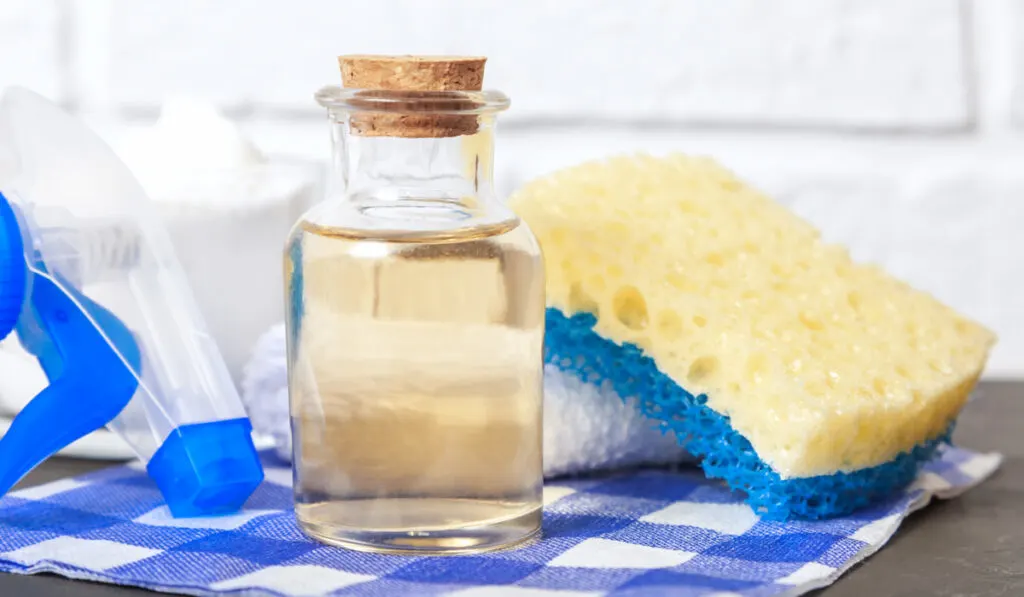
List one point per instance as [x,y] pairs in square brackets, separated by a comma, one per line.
[415,326]
[415,385]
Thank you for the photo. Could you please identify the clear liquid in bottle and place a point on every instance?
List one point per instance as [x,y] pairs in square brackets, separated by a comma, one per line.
[415,382]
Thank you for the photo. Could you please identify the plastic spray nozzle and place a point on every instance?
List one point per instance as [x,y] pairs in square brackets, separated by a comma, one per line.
[90,284]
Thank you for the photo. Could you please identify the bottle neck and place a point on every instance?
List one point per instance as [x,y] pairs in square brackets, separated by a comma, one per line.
[454,169]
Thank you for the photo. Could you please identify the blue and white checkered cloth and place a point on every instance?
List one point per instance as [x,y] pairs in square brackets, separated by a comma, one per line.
[636,533]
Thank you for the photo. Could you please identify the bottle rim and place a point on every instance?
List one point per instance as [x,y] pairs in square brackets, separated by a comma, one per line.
[400,101]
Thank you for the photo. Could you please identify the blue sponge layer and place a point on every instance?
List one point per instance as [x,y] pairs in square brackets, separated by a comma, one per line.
[572,345]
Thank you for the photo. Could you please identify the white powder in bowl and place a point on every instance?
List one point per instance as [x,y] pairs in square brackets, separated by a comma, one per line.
[229,209]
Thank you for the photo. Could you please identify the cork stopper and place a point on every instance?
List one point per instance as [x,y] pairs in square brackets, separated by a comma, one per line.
[408,82]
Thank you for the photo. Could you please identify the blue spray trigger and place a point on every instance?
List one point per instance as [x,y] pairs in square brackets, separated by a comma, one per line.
[74,355]
[91,359]
[89,382]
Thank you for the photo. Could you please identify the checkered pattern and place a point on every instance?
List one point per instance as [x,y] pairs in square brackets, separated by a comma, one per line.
[651,531]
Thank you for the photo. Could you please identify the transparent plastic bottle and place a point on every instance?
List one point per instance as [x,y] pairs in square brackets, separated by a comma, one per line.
[415,329]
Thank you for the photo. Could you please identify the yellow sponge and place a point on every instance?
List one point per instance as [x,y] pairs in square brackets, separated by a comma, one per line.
[822,364]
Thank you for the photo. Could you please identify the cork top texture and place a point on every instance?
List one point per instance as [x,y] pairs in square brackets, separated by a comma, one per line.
[413,73]
[398,117]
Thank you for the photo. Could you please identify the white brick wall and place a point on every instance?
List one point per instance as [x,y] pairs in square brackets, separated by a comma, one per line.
[895,125]
[31,46]
[803,62]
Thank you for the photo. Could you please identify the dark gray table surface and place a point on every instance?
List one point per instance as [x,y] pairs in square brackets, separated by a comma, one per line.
[969,547]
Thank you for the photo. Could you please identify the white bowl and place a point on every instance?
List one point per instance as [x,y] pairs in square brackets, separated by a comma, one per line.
[229,230]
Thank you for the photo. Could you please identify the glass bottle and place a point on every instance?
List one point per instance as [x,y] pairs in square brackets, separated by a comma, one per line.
[415,324]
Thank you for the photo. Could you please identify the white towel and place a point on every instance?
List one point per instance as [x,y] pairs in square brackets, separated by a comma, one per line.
[586,427]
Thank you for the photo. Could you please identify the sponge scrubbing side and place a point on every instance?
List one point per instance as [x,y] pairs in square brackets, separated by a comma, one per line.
[823,366]
[708,435]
